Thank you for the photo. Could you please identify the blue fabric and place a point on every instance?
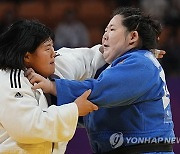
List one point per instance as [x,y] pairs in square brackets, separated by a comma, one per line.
[133,100]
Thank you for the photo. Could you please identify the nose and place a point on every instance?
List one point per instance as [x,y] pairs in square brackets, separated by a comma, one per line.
[105,36]
[53,53]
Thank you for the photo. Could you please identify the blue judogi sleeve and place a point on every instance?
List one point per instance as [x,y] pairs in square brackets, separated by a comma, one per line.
[123,83]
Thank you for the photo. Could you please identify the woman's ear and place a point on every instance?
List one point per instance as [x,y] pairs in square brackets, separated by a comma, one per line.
[134,37]
[27,59]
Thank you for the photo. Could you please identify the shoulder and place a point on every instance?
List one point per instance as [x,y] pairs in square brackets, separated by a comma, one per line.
[14,87]
[14,79]
[143,57]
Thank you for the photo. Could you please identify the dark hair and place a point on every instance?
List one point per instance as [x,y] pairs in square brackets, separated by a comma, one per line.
[147,28]
[21,37]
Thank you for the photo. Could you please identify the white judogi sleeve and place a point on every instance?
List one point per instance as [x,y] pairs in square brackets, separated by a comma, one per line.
[78,63]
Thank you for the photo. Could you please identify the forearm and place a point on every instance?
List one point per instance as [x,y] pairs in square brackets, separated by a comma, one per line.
[115,87]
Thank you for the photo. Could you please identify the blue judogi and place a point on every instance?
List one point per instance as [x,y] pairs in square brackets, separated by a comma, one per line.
[133,99]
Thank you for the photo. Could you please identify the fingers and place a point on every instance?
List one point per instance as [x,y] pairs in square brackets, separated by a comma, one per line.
[34,79]
[94,107]
[156,52]
[32,76]
[162,52]
[29,71]
[101,49]
[160,56]
[36,86]
[84,105]
[86,93]
[159,53]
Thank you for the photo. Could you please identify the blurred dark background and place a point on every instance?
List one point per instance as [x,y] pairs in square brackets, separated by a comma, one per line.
[81,23]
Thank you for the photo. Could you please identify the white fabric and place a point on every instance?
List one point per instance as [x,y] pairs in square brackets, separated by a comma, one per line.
[78,63]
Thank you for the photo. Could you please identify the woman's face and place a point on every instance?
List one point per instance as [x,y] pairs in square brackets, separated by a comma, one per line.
[42,60]
[115,40]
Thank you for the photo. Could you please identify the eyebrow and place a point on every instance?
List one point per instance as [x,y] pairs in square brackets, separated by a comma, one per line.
[110,25]
[48,43]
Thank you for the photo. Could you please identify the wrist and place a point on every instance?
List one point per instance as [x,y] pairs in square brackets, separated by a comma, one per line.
[52,88]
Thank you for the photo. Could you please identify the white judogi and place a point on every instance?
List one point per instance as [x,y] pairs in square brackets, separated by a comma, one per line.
[27,124]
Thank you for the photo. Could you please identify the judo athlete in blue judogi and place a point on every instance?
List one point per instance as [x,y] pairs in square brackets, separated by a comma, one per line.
[135,113]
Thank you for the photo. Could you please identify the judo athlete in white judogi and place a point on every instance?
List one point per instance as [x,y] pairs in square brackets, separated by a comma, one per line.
[28,125]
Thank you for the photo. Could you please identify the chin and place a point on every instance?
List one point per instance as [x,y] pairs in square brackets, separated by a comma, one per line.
[107,60]
[47,74]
